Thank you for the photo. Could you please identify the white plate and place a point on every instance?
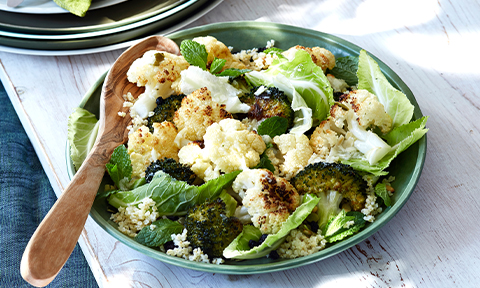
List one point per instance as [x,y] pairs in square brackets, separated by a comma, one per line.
[49,7]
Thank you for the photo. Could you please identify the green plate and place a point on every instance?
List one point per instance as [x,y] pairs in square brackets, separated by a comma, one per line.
[166,21]
[244,35]
[120,16]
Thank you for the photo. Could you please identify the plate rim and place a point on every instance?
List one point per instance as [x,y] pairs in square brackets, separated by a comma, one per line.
[55,9]
[368,231]
[105,29]
[115,41]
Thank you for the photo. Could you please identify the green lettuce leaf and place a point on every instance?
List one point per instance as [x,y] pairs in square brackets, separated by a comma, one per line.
[230,203]
[82,133]
[303,82]
[161,234]
[371,78]
[239,248]
[172,197]
[337,230]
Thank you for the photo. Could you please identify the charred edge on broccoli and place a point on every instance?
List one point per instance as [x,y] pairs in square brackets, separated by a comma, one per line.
[321,177]
[269,103]
[178,171]
[209,229]
[165,110]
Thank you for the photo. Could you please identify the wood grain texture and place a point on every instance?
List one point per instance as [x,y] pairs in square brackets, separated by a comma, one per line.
[55,238]
[431,242]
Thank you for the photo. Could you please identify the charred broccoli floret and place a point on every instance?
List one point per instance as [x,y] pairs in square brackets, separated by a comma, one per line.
[270,102]
[165,109]
[210,229]
[171,167]
[323,177]
[337,185]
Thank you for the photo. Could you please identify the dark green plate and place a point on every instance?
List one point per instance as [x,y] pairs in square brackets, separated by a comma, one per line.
[244,35]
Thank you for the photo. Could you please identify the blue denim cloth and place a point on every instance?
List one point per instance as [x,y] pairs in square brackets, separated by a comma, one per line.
[25,198]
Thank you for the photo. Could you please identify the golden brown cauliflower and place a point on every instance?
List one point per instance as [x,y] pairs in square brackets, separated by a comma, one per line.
[295,150]
[197,112]
[156,70]
[324,137]
[269,199]
[369,111]
[228,146]
[320,56]
[334,138]
[217,49]
[156,67]
[145,147]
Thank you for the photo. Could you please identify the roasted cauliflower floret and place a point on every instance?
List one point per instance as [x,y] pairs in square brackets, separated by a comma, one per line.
[145,147]
[156,70]
[269,199]
[217,49]
[370,112]
[320,56]
[330,143]
[346,133]
[197,112]
[338,85]
[227,146]
[295,150]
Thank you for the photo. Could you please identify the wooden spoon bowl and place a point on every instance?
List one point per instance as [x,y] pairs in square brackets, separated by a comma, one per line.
[56,236]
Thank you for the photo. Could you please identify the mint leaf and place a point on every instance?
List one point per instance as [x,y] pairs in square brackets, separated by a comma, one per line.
[194,53]
[217,65]
[346,69]
[265,163]
[381,191]
[273,126]
[161,234]
[233,72]
[120,167]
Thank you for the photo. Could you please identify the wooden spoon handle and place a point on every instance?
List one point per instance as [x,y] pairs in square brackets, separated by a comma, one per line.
[54,240]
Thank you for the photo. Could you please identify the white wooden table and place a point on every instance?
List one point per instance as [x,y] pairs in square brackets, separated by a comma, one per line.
[431,242]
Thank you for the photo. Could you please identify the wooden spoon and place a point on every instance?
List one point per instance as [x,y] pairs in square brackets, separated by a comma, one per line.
[56,237]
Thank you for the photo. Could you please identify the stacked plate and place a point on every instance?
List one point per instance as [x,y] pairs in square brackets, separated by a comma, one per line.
[40,27]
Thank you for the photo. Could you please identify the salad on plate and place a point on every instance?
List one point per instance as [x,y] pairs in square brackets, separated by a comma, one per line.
[258,153]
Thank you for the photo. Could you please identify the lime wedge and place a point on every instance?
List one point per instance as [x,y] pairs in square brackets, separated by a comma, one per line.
[77,7]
